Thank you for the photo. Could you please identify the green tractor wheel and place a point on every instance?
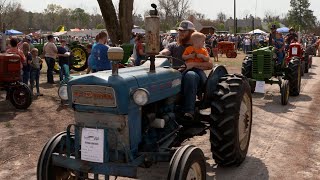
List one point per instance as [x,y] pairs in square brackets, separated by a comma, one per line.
[284,89]
[56,68]
[80,56]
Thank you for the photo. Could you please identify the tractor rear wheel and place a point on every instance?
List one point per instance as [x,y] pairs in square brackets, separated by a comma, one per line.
[230,129]
[229,54]
[20,96]
[80,56]
[188,162]
[294,77]
[284,90]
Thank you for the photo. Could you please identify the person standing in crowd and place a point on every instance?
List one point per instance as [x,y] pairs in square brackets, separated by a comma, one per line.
[91,59]
[247,44]
[272,35]
[64,56]
[26,67]
[100,53]
[139,50]
[28,39]
[89,48]
[35,71]
[15,50]
[215,49]
[50,53]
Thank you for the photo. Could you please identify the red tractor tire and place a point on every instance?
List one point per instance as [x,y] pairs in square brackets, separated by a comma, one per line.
[234,54]
[229,54]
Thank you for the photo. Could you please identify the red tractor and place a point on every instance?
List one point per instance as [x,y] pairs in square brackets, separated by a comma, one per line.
[296,51]
[18,93]
[228,48]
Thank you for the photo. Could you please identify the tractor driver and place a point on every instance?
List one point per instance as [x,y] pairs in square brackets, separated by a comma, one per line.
[272,35]
[191,81]
[292,36]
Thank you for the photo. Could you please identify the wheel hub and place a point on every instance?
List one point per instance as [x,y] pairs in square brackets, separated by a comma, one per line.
[244,122]
[194,172]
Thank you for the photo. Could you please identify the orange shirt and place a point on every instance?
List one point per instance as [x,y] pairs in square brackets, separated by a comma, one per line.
[191,49]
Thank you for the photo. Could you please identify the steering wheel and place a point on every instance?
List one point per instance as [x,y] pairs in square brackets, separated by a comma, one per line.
[181,68]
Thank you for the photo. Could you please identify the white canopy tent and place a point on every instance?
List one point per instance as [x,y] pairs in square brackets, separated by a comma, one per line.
[257,31]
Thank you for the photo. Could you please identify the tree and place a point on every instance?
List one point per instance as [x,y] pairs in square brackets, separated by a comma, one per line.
[80,17]
[51,12]
[100,26]
[119,28]
[173,11]
[221,17]
[270,17]
[300,15]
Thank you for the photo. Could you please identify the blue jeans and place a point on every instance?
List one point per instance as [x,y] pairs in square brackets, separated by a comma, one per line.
[26,77]
[50,63]
[35,75]
[192,81]
[64,71]
[280,56]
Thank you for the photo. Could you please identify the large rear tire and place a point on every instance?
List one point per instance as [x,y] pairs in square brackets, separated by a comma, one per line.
[20,96]
[294,77]
[230,128]
[187,163]
[80,56]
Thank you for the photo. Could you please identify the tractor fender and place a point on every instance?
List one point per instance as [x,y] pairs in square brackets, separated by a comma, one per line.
[213,80]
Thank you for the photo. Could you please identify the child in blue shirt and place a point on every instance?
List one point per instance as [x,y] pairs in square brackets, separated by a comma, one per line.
[100,53]
[280,46]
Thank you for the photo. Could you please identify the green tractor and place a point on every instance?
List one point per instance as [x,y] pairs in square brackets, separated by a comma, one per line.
[79,56]
[261,66]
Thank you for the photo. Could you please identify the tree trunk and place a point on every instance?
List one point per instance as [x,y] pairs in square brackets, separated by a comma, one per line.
[125,18]
[110,18]
[117,30]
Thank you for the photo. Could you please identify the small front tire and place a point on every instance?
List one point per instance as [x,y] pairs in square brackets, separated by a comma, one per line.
[188,163]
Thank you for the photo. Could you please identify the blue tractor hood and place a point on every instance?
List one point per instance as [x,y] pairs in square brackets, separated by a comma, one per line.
[163,83]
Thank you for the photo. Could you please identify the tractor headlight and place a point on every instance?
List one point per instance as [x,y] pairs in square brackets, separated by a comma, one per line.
[140,96]
[63,92]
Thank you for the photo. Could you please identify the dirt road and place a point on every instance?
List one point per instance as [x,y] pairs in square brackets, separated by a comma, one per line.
[285,140]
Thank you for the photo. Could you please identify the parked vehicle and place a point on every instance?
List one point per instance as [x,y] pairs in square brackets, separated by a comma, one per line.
[18,93]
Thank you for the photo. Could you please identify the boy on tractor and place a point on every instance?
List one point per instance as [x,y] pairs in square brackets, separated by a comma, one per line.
[191,80]
[279,47]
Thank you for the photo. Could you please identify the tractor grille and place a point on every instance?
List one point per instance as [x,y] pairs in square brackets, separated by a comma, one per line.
[93,95]
[262,67]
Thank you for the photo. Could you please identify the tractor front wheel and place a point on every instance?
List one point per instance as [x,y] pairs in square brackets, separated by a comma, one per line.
[45,169]
[284,89]
[230,129]
[188,162]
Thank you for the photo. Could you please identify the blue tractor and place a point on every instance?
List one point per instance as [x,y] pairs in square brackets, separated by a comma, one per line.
[129,118]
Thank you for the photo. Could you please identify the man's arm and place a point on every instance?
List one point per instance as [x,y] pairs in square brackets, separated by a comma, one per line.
[165,52]
[200,65]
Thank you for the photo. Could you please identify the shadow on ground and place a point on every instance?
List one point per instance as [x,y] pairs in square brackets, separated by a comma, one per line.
[251,168]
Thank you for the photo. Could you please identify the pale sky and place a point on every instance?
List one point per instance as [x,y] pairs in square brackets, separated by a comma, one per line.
[208,7]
